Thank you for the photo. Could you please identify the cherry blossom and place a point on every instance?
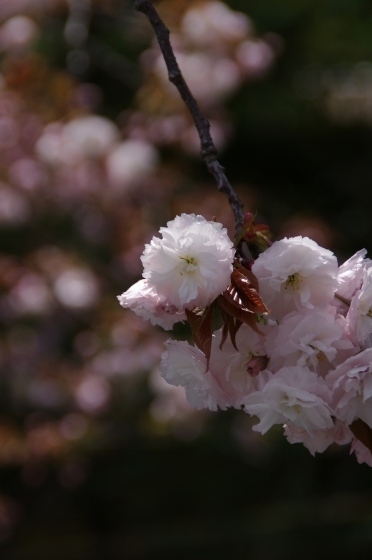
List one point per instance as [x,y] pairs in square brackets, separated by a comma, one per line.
[309,338]
[129,161]
[185,365]
[192,263]
[84,137]
[351,385]
[350,274]
[143,299]
[292,394]
[235,370]
[318,440]
[226,380]
[360,314]
[294,273]
[362,453]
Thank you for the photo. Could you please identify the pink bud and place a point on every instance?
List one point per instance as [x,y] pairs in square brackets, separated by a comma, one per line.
[248,217]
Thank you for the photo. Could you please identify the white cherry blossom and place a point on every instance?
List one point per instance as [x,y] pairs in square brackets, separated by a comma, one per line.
[192,263]
[294,273]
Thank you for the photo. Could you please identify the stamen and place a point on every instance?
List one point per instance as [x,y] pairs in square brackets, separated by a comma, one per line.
[321,356]
[189,260]
[190,265]
[293,281]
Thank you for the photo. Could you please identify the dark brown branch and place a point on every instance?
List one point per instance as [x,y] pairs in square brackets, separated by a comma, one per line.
[208,149]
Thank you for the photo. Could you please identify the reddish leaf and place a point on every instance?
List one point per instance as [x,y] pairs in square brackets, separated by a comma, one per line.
[231,327]
[234,308]
[249,295]
[195,319]
[362,432]
[204,339]
[252,322]
[248,274]
[225,332]
[257,302]
[201,328]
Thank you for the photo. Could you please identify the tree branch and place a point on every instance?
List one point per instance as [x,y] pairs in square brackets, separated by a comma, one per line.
[208,149]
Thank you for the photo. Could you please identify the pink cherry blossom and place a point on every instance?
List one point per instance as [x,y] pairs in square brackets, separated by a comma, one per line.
[309,338]
[350,275]
[318,440]
[143,299]
[294,273]
[185,365]
[295,395]
[362,453]
[359,317]
[230,367]
[351,385]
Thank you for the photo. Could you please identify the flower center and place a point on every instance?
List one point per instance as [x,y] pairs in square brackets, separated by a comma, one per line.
[293,281]
[255,363]
[189,265]
[288,403]
[321,356]
[319,353]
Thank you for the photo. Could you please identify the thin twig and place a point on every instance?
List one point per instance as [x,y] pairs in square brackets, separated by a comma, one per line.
[208,149]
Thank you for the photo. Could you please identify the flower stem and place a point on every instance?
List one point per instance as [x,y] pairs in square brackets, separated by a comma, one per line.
[208,149]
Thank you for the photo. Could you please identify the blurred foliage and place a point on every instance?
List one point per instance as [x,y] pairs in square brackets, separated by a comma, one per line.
[98,458]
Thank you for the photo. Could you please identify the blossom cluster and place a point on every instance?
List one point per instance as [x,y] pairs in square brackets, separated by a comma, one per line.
[307,362]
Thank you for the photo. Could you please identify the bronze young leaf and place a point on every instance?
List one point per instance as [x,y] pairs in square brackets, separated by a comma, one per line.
[362,432]
[200,322]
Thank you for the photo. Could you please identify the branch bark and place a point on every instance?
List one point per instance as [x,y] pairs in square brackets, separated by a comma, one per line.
[208,149]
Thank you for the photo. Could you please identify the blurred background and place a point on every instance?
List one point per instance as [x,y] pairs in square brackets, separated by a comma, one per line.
[99,458]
